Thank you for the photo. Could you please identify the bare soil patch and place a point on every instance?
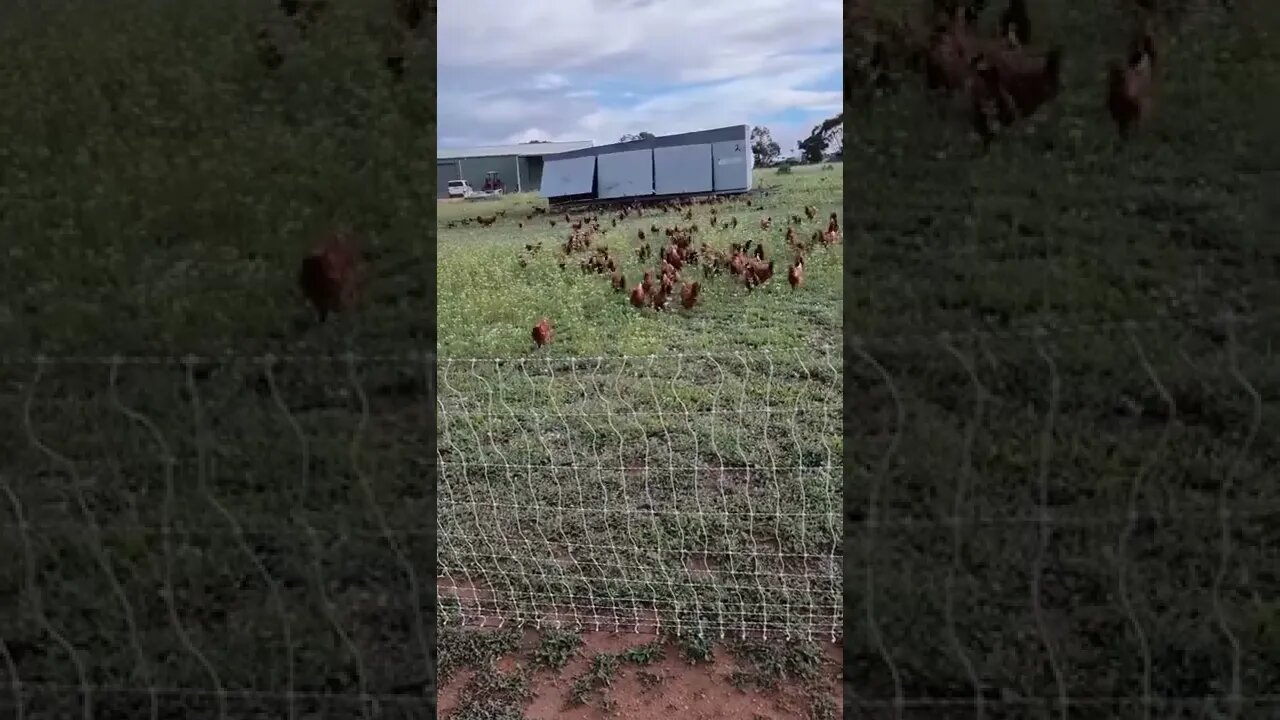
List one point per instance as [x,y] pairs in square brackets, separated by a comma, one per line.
[633,682]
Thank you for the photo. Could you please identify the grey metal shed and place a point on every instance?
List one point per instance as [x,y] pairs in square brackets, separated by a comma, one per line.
[519,166]
[703,162]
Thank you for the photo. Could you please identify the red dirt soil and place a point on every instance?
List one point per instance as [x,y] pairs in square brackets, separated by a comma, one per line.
[685,690]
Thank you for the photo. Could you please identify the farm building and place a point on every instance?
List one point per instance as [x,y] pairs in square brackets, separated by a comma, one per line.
[696,163]
[518,166]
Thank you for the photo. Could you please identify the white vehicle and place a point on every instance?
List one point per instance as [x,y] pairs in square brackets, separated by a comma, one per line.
[459,188]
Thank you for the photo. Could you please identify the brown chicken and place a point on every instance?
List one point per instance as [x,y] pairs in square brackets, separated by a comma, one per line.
[660,299]
[757,273]
[638,296]
[674,258]
[989,102]
[619,281]
[1028,81]
[949,54]
[689,295]
[327,276]
[1129,86]
[766,223]
[542,333]
[795,275]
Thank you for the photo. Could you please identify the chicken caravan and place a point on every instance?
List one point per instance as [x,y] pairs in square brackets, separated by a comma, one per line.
[706,162]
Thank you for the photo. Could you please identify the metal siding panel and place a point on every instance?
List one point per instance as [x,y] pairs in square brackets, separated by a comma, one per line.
[533,181]
[444,173]
[626,174]
[475,169]
[683,169]
[568,176]
[732,165]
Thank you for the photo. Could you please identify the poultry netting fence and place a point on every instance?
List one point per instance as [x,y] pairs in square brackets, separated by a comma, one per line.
[682,493]
[1022,508]
[1064,522]
[216,537]
[228,535]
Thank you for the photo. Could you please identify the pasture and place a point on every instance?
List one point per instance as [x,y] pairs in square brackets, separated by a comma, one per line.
[1062,393]
[653,472]
[487,303]
[190,530]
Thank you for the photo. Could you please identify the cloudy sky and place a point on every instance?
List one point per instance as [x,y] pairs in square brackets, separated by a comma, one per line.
[510,72]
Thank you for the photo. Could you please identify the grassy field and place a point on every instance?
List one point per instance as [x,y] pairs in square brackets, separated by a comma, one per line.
[202,540]
[1034,518]
[639,440]
[487,303]
[653,472]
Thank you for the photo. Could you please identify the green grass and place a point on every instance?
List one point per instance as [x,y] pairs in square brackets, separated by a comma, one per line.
[160,186]
[1067,230]
[600,673]
[157,189]
[556,648]
[488,304]
[674,469]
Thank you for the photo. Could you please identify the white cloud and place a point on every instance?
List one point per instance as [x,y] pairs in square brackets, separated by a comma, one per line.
[532,134]
[694,41]
[595,70]
[550,81]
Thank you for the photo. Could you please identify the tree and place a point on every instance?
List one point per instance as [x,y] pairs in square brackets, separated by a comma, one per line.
[837,141]
[763,147]
[646,135]
[813,148]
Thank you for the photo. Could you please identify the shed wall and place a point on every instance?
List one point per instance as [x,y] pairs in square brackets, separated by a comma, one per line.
[445,171]
[672,165]
[732,166]
[568,176]
[625,174]
[682,169]
[474,170]
[530,173]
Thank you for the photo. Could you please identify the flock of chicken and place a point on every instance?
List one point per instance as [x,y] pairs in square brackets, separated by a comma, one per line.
[1001,78]
[666,281]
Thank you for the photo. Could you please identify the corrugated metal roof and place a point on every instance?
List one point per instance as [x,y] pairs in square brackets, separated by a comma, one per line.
[523,149]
